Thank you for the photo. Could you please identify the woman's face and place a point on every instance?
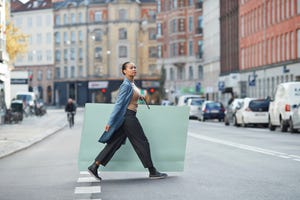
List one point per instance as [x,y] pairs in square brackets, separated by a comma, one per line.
[130,70]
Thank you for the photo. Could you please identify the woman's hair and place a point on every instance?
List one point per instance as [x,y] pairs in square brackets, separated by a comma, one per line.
[124,66]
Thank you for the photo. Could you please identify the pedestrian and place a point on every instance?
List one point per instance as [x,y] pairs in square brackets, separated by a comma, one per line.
[70,108]
[123,124]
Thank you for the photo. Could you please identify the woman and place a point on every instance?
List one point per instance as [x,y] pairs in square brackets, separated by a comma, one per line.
[123,124]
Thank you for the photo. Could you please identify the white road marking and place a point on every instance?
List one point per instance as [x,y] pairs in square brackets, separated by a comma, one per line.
[246,147]
[87,180]
[87,190]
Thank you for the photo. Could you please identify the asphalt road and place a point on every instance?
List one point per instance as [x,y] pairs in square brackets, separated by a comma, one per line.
[222,162]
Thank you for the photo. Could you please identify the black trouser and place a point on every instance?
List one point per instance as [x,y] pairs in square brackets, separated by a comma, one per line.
[131,129]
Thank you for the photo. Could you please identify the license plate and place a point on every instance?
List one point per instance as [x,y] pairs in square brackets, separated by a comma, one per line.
[260,114]
[214,111]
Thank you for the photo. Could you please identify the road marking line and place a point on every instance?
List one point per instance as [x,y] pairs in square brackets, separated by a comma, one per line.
[243,146]
[87,180]
[296,160]
[294,156]
[84,173]
[87,190]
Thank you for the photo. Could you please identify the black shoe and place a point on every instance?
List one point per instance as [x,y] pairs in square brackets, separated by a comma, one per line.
[157,175]
[93,170]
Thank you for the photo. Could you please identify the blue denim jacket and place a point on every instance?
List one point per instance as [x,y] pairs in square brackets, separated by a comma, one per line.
[118,114]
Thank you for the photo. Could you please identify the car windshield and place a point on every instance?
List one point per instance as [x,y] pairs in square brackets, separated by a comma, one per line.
[261,105]
[196,102]
[213,105]
[24,97]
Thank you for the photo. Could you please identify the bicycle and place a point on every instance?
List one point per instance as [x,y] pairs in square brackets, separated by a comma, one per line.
[71,119]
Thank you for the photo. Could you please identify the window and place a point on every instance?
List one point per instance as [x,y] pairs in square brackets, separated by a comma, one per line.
[174,4]
[158,6]
[191,48]
[191,73]
[200,72]
[65,54]
[98,35]
[66,37]
[73,18]
[172,75]
[98,16]
[57,55]
[181,73]
[80,36]
[159,51]
[152,34]
[80,18]
[72,56]
[40,75]
[191,23]
[57,19]
[57,37]
[49,55]
[159,32]
[122,51]
[57,73]
[39,38]
[200,49]
[98,53]
[48,38]
[122,34]
[72,72]
[29,22]
[65,19]
[73,37]
[152,52]
[49,74]
[152,15]
[80,71]
[38,21]
[80,54]
[30,56]
[39,55]
[65,72]
[122,14]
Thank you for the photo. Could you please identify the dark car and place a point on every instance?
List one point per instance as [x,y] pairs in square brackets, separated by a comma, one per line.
[212,110]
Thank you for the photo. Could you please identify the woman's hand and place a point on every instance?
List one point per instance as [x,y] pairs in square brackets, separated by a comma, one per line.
[107,128]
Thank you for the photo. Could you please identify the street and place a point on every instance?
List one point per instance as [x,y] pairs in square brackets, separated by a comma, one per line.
[222,162]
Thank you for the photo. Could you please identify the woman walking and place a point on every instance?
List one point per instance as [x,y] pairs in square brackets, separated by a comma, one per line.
[123,124]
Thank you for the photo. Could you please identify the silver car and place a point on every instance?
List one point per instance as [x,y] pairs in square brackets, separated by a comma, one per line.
[294,122]
[195,105]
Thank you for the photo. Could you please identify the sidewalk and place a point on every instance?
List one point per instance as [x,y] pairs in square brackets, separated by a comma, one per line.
[15,137]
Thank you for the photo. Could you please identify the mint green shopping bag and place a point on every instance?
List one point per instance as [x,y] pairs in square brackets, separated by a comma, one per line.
[165,127]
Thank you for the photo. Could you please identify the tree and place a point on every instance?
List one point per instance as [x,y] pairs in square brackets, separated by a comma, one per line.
[16,41]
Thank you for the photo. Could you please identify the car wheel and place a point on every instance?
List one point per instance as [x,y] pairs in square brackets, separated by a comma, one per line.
[243,123]
[283,126]
[291,125]
[270,125]
[226,121]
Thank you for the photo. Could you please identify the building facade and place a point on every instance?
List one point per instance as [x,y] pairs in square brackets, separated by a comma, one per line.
[211,49]
[35,19]
[93,39]
[229,79]
[269,44]
[180,45]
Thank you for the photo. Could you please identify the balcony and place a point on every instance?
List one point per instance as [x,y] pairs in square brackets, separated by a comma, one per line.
[199,30]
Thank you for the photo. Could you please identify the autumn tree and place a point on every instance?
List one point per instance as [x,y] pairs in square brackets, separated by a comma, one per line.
[16,41]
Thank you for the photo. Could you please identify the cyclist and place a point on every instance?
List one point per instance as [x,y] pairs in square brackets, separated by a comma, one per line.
[70,108]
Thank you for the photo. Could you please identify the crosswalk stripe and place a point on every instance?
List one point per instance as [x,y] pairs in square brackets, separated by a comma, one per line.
[87,180]
[87,190]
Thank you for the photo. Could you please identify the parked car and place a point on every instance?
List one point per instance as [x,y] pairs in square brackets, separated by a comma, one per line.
[252,111]
[182,100]
[285,97]
[294,122]
[230,111]
[212,110]
[195,105]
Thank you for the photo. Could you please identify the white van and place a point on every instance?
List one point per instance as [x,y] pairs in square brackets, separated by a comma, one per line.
[28,97]
[286,96]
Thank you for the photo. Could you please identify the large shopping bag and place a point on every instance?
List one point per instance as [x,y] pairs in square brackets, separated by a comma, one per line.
[165,127]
